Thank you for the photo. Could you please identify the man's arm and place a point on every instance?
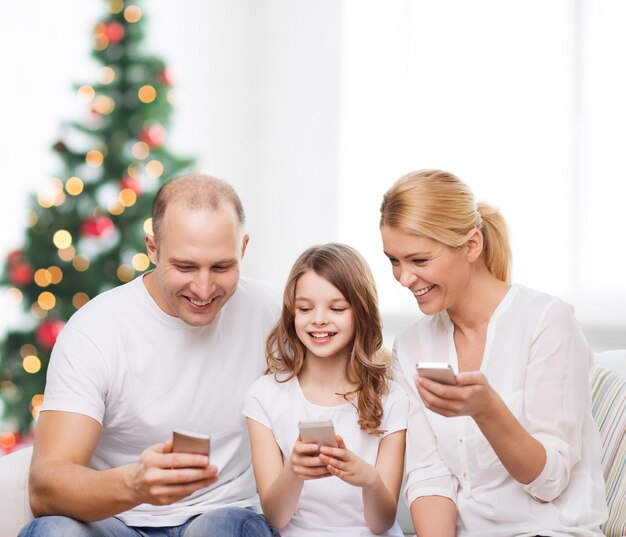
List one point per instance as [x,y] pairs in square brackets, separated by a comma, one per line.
[62,484]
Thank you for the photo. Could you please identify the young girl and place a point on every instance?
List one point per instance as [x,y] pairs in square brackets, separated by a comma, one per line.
[323,360]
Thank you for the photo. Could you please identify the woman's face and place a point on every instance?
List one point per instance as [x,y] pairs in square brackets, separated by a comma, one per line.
[435,273]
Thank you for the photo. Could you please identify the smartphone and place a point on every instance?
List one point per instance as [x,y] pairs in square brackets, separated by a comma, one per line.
[438,371]
[188,442]
[320,432]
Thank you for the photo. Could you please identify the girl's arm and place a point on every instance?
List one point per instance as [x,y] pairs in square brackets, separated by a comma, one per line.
[380,484]
[434,516]
[280,485]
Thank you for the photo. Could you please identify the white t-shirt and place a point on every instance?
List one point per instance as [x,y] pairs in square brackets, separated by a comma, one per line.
[537,360]
[329,505]
[141,373]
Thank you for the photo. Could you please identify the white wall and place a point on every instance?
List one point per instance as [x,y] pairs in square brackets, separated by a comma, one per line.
[311,108]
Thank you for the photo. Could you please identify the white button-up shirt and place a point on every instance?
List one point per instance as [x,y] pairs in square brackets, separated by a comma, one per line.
[537,359]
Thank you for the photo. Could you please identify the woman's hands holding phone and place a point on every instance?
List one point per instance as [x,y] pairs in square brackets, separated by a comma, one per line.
[471,396]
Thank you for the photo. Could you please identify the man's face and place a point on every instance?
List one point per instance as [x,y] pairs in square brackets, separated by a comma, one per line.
[197,262]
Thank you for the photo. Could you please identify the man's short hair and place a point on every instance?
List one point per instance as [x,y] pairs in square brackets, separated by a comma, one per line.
[196,191]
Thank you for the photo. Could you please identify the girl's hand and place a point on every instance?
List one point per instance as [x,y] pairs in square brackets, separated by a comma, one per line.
[471,396]
[347,466]
[305,461]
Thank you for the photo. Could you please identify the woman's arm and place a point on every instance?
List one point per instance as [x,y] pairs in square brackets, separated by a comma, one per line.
[280,486]
[434,516]
[380,484]
[523,456]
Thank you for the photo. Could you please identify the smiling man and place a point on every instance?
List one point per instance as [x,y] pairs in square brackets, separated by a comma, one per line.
[175,348]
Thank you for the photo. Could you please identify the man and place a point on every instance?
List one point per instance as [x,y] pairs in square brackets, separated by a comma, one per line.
[173,349]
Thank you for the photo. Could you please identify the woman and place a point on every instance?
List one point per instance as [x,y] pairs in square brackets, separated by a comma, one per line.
[511,449]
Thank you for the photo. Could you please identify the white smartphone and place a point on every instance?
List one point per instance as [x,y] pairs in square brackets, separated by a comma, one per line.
[320,432]
[188,442]
[438,371]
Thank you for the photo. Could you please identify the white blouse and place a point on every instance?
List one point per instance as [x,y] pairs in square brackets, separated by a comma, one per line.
[537,359]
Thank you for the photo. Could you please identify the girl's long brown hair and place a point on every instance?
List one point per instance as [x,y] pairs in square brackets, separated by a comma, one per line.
[346,269]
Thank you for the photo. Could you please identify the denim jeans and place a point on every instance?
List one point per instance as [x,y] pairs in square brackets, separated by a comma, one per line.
[224,522]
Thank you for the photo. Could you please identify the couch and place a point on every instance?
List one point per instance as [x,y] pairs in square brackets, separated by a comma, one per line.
[608,389]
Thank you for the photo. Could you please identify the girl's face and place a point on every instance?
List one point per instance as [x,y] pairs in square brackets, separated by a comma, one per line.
[435,273]
[324,320]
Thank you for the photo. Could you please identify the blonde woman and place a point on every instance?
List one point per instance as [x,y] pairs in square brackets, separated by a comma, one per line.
[510,449]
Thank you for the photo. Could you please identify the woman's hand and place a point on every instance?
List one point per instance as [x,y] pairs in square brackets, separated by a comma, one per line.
[347,466]
[471,396]
[305,461]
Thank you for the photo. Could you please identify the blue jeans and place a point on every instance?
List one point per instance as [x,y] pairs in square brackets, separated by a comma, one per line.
[224,522]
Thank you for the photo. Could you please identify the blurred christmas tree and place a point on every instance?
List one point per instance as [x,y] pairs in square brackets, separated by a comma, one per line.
[86,229]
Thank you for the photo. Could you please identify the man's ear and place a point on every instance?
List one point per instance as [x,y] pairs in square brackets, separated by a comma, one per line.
[474,243]
[151,248]
[244,244]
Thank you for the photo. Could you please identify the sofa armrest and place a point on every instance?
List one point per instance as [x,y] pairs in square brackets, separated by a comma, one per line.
[14,506]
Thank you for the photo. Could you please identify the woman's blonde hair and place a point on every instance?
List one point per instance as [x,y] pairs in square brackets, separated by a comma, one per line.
[438,205]
[346,269]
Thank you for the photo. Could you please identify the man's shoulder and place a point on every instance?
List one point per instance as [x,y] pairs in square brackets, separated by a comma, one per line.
[106,304]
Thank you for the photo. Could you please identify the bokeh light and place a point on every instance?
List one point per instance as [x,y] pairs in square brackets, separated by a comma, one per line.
[27,349]
[66,254]
[140,262]
[132,14]
[56,274]
[127,197]
[42,277]
[46,300]
[86,93]
[7,440]
[31,364]
[147,94]
[79,300]
[15,296]
[115,6]
[154,169]
[115,207]
[81,263]
[103,104]
[32,218]
[74,186]
[37,311]
[62,239]
[140,150]
[147,227]
[125,273]
[94,158]
[106,75]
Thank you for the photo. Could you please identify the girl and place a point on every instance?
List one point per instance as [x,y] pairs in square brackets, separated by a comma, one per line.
[324,362]
[511,449]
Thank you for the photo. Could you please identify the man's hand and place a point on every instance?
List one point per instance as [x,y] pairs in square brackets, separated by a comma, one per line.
[471,396]
[305,461]
[162,477]
[347,466]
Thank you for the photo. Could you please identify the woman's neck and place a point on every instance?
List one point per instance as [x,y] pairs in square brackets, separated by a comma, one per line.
[475,309]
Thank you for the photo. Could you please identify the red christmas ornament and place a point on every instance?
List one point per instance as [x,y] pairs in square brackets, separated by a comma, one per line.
[154,135]
[133,184]
[14,257]
[166,77]
[97,226]
[21,274]
[114,31]
[47,333]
